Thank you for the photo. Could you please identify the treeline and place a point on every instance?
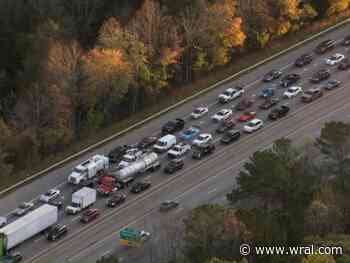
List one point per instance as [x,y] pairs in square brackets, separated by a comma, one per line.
[69,67]
[286,195]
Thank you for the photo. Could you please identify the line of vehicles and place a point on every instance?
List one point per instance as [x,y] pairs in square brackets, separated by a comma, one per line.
[105,176]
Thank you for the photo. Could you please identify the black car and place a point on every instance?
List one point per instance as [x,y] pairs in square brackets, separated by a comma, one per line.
[268,103]
[115,200]
[272,75]
[346,41]
[225,125]
[289,80]
[344,64]
[244,104]
[173,126]
[117,153]
[230,136]
[173,166]
[325,46]
[320,75]
[168,205]
[140,187]
[199,151]
[56,232]
[332,84]
[279,112]
[303,60]
[147,142]
[311,95]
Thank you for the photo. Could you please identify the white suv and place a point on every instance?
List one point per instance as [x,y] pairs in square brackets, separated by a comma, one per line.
[50,195]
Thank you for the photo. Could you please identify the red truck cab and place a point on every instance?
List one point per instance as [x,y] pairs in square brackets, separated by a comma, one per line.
[107,185]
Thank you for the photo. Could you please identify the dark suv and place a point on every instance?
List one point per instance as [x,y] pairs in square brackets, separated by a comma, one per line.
[56,232]
[199,151]
[289,79]
[303,60]
[320,75]
[116,154]
[311,95]
[325,46]
[173,166]
[173,126]
[230,136]
[115,200]
[344,64]
[278,112]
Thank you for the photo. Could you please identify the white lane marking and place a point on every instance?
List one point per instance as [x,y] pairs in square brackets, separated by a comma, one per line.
[212,191]
[148,177]
[286,66]
[75,218]
[38,239]
[252,83]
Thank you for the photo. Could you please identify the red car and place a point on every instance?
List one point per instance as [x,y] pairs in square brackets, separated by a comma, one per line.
[247,116]
[90,215]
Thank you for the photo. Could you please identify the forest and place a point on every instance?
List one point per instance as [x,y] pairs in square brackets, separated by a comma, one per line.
[70,68]
[287,195]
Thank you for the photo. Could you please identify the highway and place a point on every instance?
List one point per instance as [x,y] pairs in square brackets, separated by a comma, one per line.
[219,168]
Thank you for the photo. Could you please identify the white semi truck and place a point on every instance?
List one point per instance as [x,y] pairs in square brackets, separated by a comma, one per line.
[27,226]
[89,169]
[148,162]
[81,199]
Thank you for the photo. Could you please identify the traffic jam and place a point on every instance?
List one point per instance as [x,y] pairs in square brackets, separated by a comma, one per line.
[125,170]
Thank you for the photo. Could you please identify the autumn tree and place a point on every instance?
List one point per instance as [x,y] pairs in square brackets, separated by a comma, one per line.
[212,231]
[107,77]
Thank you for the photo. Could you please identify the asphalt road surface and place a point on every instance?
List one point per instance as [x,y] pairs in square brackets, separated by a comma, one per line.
[96,238]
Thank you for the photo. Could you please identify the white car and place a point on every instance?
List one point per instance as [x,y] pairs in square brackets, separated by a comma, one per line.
[179,150]
[253,125]
[292,92]
[231,94]
[335,59]
[222,115]
[199,112]
[50,195]
[203,139]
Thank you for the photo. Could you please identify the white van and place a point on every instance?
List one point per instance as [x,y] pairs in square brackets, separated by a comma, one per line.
[165,143]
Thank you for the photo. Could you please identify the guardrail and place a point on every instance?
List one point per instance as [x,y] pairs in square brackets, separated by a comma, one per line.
[156,115]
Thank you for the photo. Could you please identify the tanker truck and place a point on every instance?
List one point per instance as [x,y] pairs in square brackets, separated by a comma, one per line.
[148,162]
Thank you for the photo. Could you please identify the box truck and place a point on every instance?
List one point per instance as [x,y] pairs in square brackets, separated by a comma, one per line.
[27,226]
[81,199]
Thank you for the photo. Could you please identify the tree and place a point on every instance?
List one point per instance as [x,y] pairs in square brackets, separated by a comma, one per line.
[334,143]
[280,183]
[212,231]
[108,77]
[337,6]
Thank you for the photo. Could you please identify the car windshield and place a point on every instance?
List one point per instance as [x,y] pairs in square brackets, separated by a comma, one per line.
[161,143]
[252,124]
[309,92]
[227,93]
[291,90]
[79,169]
[334,57]
[189,132]
[221,113]
[198,111]
[202,137]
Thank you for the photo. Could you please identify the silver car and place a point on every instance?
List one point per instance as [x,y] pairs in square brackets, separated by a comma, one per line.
[24,208]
